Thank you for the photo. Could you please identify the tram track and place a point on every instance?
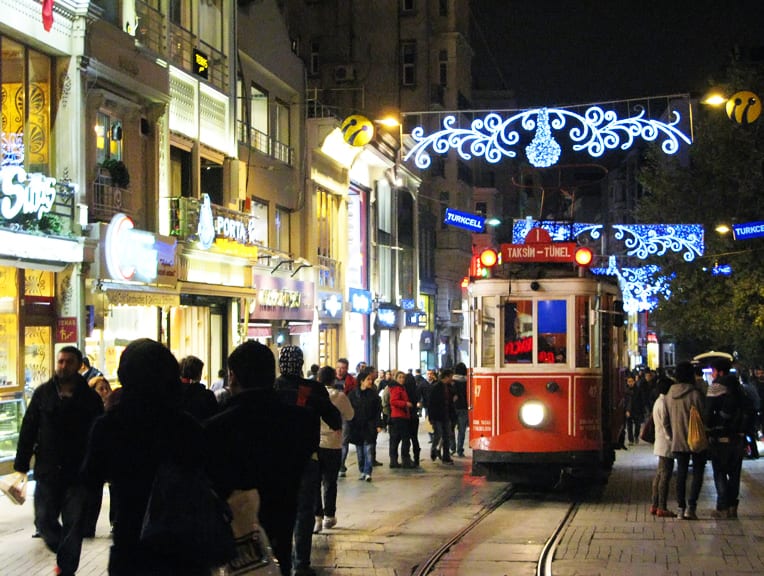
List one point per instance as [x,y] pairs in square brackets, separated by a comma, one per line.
[545,558]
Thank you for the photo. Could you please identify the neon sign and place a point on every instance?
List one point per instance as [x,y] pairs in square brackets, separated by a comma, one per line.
[595,131]
[25,193]
[130,253]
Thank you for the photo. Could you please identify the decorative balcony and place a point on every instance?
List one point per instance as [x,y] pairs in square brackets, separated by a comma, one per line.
[265,144]
[108,198]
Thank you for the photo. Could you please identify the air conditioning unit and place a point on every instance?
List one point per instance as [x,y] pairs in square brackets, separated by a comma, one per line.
[344,73]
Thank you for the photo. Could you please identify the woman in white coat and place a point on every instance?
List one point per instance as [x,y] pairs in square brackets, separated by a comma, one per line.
[662,449]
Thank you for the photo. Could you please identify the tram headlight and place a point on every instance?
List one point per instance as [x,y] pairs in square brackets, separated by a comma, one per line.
[532,414]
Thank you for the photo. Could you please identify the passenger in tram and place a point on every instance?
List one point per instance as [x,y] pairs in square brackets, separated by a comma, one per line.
[258,441]
[330,454]
[725,419]
[366,423]
[682,395]
[460,406]
[662,449]
[398,424]
[442,414]
[196,399]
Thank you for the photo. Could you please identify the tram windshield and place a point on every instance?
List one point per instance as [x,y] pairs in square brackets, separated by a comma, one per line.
[549,317]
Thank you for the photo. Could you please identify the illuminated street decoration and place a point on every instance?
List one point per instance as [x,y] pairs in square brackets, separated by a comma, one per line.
[640,240]
[595,131]
[640,287]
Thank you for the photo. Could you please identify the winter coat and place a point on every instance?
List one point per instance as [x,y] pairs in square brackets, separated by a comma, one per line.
[367,407]
[399,401]
[676,420]
[441,403]
[662,444]
[332,439]
[724,415]
[634,402]
[459,387]
[198,401]
[56,429]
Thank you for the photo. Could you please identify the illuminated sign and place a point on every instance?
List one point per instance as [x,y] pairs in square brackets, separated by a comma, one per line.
[472,222]
[721,270]
[595,131]
[360,301]
[416,319]
[387,318]
[132,254]
[214,225]
[23,193]
[748,230]
[330,305]
[539,247]
[201,64]
[281,299]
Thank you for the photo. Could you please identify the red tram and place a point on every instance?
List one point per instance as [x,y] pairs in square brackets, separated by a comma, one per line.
[548,357]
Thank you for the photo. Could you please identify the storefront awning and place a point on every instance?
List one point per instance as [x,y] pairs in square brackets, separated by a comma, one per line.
[201,289]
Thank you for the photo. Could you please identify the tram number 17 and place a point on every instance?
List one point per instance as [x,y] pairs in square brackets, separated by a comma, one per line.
[477,390]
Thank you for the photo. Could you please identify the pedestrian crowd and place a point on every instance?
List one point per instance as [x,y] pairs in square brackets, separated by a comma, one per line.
[691,420]
[259,453]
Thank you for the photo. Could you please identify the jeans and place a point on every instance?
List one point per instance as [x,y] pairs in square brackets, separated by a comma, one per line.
[399,434]
[662,481]
[682,467]
[727,461]
[632,429]
[54,498]
[414,434]
[365,460]
[326,495]
[303,526]
[440,440]
[462,418]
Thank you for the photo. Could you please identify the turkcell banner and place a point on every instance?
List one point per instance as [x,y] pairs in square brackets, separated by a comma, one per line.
[748,230]
[472,222]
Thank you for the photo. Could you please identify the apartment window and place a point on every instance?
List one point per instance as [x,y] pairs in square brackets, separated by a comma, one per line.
[281,123]
[259,119]
[408,5]
[211,180]
[259,210]
[108,134]
[443,7]
[443,67]
[408,63]
[211,23]
[315,59]
[481,208]
[180,13]
[326,213]
[283,229]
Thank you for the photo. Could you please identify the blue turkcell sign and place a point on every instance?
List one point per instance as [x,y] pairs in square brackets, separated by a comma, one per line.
[748,230]
[472,222]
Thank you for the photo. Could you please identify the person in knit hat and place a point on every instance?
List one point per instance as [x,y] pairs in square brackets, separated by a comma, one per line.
[294,390]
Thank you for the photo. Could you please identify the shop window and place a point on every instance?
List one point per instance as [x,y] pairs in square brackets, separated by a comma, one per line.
[26,107]
[518,332]
[552,331]
[9,334]
[108,134]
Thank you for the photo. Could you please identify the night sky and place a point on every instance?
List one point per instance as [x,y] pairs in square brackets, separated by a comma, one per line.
[555,52]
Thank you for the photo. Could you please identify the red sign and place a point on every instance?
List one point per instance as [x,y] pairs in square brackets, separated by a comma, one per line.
[66,330]
[539,247]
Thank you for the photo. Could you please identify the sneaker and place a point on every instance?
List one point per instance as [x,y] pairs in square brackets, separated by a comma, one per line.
[343,473]
[329,522]
[689,514]
[661,513]
[653,510]
[377,463]
[317,525]
[362,477]
[368,478]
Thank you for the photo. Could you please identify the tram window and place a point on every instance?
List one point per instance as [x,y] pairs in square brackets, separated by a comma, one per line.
[552,331]
[487,331]
[518,332]
[583,321]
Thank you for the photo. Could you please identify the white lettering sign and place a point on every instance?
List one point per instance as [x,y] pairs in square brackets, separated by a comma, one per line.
[27,193]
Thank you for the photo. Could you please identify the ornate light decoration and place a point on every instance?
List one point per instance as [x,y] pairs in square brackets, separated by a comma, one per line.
[640,287]
[595,131]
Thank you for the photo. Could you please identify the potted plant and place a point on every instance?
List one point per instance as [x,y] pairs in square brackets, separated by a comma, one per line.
[120,177]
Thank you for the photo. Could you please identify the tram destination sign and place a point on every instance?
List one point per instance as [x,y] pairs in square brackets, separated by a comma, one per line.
[538,252]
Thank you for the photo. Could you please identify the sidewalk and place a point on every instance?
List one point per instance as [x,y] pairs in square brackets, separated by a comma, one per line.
[617,535]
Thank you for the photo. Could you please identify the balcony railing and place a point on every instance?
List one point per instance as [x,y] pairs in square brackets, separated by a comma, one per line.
[265,144]
[108,200]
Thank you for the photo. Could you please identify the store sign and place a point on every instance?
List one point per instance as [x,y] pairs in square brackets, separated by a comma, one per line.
[748,230]
[387,318]
[25,193]
[330,306]
[360,301]
[281,299]
[416,319]
[218,225]
[138,255]
[66,330]
[201,64]
[471,222]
